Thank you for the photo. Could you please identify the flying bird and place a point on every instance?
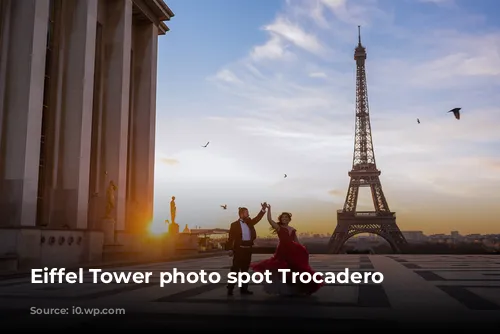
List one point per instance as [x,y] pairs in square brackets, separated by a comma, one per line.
[418,121]
[224,206]
[286,176]
[456,112]
[206,144]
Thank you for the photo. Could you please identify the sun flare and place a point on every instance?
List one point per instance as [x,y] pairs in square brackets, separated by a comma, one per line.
[158,228]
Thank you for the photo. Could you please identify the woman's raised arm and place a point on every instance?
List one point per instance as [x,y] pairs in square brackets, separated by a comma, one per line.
[270,219]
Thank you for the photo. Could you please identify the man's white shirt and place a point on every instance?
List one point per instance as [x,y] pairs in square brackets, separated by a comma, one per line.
[245,230]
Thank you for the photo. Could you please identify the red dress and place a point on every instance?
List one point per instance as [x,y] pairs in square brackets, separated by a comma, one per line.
[289,255]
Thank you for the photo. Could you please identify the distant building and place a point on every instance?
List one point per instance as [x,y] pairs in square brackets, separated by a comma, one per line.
[415,236]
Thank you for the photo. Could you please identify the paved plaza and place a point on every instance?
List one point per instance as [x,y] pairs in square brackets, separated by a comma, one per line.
[416,288]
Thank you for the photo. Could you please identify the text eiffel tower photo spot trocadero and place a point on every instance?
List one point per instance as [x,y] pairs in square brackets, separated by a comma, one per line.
[364,174]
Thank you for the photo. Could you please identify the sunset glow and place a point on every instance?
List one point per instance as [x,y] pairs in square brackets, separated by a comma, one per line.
[277,97]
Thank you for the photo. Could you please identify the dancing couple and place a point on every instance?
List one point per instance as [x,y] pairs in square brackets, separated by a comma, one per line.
[289,254]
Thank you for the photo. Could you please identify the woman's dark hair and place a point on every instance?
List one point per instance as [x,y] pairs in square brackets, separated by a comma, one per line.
[280,217]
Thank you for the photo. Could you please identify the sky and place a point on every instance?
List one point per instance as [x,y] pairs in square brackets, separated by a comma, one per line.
[271,85]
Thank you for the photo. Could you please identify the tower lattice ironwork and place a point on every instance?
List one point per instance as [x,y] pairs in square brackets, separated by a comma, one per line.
[364,173]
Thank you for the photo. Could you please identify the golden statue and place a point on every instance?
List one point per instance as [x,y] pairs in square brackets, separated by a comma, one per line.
[110,198]
[173,210]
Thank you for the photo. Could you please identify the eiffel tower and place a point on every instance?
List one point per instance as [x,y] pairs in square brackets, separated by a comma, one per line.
[364,173]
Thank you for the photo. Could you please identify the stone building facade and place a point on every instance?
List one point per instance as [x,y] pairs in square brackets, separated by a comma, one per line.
[77,112]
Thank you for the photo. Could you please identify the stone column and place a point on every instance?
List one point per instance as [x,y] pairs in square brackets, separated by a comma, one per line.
[142,129]
[76,93]
[22,112]
[118,44]
[5,9]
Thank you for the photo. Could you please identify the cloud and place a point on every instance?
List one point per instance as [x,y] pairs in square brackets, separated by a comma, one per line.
[289,107]
[488,167]
[336,192]
[339,16]
[286,39]
[438,2]
[472,57]
[294,34]
[169,161]
[274,48]
[226,75]
[317,75]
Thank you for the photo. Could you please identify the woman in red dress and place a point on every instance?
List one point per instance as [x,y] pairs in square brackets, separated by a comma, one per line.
[290,254]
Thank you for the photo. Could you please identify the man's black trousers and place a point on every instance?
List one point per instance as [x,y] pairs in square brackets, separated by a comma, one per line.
[242,257]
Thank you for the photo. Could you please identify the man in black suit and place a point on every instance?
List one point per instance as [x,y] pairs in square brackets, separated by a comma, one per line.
[239,244]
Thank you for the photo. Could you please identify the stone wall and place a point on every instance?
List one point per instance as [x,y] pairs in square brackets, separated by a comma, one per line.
[33,248]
